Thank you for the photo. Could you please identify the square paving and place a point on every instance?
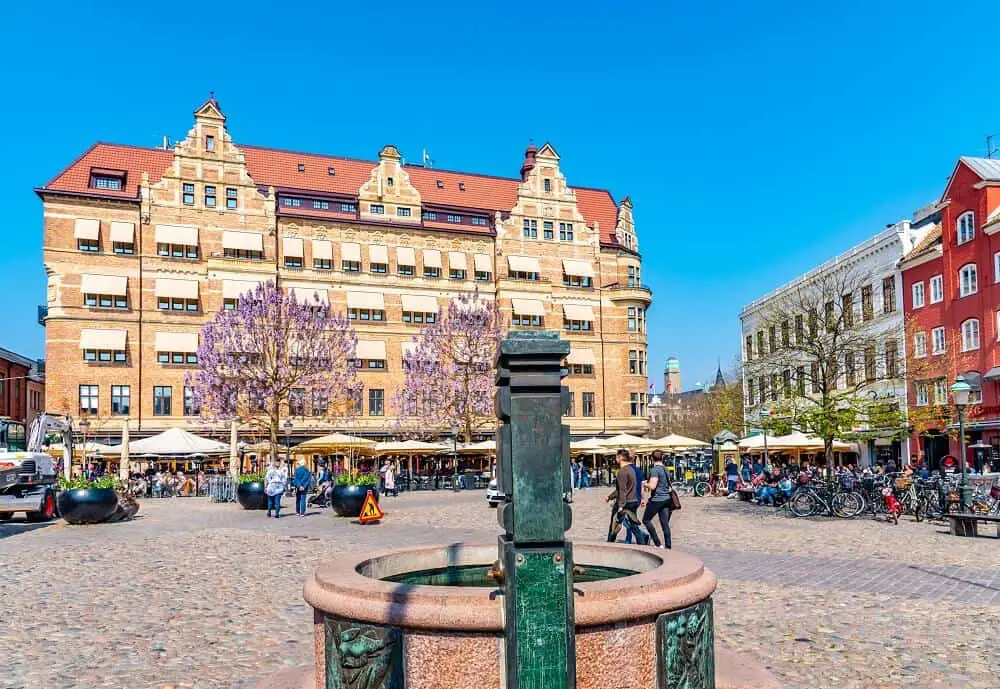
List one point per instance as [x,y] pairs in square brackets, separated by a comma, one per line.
[202,595]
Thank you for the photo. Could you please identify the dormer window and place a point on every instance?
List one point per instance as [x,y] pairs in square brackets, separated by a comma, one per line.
[388,181]
[440,184]
[403,212]
[302,167]
[107,180]
[331,171]
[966,227]
[376,209]
[461,186]
[209,143]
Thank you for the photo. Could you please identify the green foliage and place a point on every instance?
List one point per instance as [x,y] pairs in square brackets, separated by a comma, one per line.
[256,477]
[81,483]
[356,479]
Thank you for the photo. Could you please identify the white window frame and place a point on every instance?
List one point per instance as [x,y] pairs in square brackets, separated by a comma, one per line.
[934,340]
[918,294]
[940,392]
[965,227]
[920,345]
[998,326]
[968,280]
[970,335]
[937,289]
[922,394]
[996,267]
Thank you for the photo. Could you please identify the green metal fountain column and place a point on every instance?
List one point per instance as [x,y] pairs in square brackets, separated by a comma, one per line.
[534,476]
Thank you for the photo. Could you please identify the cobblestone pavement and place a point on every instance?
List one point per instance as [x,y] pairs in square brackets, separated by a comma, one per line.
[207,596]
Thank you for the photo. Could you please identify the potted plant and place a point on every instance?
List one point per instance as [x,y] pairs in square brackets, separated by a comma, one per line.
[349,491]
[250,491]
[82,501]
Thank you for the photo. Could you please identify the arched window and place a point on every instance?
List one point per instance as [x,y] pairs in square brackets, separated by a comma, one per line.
[968,280]
[966,227]
[970,335]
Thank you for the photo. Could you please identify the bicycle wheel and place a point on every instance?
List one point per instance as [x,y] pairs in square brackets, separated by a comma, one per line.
[846,505]
[700,488]
[802,504]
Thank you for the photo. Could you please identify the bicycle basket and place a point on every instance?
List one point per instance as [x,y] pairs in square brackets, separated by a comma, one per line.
[904,482]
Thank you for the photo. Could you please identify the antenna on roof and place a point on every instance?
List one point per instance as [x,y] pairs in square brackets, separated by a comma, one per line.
[166,143]
[990,148]
[426,157]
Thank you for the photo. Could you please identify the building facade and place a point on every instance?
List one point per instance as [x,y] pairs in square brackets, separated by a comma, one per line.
[22,387]
[951,281]
[877,303]
[143,245]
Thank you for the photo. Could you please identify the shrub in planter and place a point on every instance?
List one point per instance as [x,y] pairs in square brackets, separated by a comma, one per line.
[349,491]
[82,501]
[250,491]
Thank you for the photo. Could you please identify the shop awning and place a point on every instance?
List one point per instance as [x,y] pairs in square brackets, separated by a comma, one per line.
[112,285]
[370,349]
[323,249]
[578,268]
[122,232]
[177,342]
[86,228]
[483,263]
[366,300]
[432,258]
[993,374]
[974,379]
[578,312]
[186,235]
[523,264]
[111,340]
[243,241]
[406,256]
[528,307]
[456,260]
[292,246]
[309,295]
[378,253]
[234,289]
[350,251]
[581,356]
[419,303]
[176,289]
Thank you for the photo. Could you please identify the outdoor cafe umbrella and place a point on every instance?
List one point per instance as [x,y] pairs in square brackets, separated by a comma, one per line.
[407,448]
[176,441]
[627,441]
[673,441]
[589,446]
[335,442]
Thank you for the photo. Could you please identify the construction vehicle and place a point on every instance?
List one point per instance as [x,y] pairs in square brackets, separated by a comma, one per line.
[29,480]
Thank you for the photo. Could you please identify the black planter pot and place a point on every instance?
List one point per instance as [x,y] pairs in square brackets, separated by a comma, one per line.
[87,505]
[347,501]
[251,496]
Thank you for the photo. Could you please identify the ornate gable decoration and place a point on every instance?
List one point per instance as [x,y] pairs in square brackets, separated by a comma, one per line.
[544,194]
[389,190]
[625,228]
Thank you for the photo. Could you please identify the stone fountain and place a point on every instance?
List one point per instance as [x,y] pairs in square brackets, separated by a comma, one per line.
[547,613]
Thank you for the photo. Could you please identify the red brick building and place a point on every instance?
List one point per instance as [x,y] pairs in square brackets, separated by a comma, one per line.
[16,372]
[951,284]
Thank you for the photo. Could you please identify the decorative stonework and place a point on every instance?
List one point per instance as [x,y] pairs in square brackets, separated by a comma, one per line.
[389,185]
[625,229]
[686,648]
[362,656]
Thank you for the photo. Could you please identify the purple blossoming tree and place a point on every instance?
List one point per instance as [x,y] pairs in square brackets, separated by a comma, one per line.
[258,359]
[449,374]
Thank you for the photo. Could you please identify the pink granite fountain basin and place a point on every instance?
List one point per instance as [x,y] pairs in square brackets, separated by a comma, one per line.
[394,633]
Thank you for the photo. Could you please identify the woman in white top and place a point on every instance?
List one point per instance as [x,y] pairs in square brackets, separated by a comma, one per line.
[390,479]
[274,485]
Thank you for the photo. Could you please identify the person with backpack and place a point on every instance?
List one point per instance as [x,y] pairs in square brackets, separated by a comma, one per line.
[624,502]
[659,503]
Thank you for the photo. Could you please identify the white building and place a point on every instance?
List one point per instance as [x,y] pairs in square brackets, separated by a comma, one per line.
[874,263]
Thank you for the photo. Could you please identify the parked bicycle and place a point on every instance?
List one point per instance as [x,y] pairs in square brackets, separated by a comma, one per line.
[825,499]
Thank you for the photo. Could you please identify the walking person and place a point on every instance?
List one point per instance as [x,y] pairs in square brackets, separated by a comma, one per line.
[732,475]
[623,499]
[638,493]
[302,480]
[389,480]
[659,502]
[274,486]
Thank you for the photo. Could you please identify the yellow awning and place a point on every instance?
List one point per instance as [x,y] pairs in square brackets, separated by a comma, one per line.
[323,249]
[176,289]
[483,263]
[186,235]
[528,307]
[406,256]
[456,260]
[581,356]
[176,342]
[292,246]
[523,264]
[366,300]
[378,253]
[94,338]
[350,251]
[370,349]
[86,228]
[112,285]
[419,303]
[578,312]
[578,268]
[122,232]
[234,289]
[432,258]
[243,241]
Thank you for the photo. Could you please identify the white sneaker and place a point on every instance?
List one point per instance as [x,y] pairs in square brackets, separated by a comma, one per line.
[662,547]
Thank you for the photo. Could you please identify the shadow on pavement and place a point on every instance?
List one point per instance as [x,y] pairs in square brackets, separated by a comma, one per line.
[22,526]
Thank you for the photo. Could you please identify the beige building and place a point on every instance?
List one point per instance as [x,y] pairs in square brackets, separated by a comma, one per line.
[143,245]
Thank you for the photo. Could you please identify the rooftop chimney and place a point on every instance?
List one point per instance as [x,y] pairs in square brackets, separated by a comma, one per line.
[529,161]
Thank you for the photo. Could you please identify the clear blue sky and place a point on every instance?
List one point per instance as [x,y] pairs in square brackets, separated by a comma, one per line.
[756,139]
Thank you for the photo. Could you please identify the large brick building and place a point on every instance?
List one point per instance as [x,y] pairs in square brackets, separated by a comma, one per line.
[951,283]
[143,245]
[22,387]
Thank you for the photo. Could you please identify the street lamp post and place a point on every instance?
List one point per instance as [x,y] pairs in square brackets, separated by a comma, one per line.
[960,393]
[288,445]
[454,459]
[84,427]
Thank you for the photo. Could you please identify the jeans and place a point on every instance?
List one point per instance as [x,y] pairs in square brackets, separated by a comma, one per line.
[765,495]
[300,501]
[631,528]
[660,508]
[274,503]
[731,484]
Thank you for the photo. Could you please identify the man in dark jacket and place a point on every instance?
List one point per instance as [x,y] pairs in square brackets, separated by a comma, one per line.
[624,503]
[302,479]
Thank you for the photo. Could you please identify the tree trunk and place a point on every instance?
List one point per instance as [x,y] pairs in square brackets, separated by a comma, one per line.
[274,421]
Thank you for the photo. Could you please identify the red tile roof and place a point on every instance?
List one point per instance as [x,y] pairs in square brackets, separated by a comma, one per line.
[271,167]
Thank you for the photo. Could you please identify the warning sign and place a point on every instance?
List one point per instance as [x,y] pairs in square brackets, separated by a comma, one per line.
[370,511]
